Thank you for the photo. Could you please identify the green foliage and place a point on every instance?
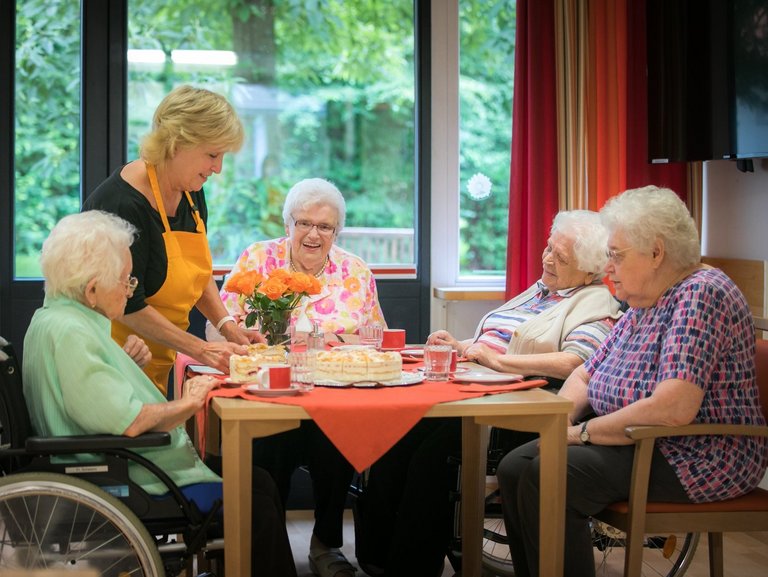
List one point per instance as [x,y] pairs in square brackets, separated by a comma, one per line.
[335,80]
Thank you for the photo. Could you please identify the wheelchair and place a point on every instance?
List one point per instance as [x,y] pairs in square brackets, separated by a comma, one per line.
[665,555]
[64,515]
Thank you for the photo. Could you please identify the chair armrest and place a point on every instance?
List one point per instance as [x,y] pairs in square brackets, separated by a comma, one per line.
[639,432]
[89,443]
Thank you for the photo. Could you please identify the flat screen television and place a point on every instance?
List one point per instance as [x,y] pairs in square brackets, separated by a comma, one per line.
[707,79]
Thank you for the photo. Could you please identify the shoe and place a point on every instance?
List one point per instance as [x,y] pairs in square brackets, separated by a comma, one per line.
[331,564]
[370,569]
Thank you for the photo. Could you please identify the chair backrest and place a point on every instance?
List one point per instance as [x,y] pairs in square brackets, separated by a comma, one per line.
[761,368]
[15,425]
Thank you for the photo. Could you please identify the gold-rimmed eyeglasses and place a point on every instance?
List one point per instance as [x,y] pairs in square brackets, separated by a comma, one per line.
[616,256]
[322,228]
[131,284]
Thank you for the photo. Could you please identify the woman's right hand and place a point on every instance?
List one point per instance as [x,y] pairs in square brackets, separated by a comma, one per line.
[216,354]
[196,389]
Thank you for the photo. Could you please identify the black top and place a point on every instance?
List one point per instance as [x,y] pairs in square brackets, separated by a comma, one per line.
[150,262]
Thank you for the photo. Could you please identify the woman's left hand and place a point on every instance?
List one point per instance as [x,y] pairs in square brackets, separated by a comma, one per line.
[482,355]
[234,333]
[138,350]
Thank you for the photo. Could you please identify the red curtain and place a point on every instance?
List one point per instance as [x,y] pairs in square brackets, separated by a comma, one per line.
[533,200]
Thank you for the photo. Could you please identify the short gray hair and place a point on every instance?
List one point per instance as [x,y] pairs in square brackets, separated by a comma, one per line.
[82,247]
[645,214]
[315,192]
[590,238]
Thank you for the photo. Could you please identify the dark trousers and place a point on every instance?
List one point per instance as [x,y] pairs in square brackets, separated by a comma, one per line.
[403,514]
[597,476]
[271,554]
[330,472]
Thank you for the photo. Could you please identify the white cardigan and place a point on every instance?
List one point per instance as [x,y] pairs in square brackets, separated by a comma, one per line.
[546,332]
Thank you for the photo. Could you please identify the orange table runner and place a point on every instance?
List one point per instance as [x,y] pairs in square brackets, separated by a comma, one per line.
[365,423]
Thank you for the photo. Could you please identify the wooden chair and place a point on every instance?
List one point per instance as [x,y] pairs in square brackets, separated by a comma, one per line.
[637,517]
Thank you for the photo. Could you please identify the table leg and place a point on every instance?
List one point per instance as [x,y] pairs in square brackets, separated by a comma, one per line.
[237,462]
[473,463]
[552,479]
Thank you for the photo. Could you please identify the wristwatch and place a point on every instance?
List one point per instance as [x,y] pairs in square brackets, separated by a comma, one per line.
[584,435]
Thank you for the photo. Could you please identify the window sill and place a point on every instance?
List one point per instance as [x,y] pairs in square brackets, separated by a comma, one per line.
[468,293]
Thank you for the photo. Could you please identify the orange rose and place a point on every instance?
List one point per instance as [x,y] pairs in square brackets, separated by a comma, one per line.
[280,274]
[243,283]
[300,282]
[273,288]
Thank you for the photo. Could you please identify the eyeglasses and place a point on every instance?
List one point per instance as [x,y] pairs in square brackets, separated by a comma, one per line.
[322,228]
[131,284]
[616,256]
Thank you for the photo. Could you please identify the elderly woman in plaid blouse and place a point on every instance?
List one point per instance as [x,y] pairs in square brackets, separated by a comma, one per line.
[683,353]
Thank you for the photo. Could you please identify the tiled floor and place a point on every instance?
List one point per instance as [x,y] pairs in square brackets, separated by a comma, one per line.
[746,554]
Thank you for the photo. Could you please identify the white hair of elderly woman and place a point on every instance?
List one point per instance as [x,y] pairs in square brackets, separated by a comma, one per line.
[645,214]
[314,192]
[589,236]
[85,246]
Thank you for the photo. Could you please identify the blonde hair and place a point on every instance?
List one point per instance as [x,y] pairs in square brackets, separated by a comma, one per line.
[188,117]
[645,214]
[82,247]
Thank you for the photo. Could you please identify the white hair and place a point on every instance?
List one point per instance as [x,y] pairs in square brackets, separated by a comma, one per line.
[649,213]
[315,192]
[82,247]
[590,238]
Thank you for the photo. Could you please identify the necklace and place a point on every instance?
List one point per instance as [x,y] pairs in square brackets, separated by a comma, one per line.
[317,274]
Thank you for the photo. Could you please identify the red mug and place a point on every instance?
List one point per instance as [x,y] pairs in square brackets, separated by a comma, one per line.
[393,339]
[274,376]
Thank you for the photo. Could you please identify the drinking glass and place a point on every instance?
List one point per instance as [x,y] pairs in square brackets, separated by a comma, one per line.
[371,334]
[437,362]
[302,367]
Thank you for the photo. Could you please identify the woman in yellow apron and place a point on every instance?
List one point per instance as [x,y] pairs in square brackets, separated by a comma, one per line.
[161,195]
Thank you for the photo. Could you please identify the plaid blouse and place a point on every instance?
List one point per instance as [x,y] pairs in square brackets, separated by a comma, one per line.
[699,331]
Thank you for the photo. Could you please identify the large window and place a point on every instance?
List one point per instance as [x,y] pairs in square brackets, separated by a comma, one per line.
[324,89]
[47,124]
[486,71]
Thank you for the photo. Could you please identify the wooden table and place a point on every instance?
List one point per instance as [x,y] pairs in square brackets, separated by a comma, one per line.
[532,410]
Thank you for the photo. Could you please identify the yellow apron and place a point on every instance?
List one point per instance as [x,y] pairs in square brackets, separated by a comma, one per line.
[189,271]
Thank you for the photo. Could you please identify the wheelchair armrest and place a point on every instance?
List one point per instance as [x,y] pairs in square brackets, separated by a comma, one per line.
[96,443]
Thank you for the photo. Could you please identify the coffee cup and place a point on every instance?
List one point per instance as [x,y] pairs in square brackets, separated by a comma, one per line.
[393,339]
[274,376]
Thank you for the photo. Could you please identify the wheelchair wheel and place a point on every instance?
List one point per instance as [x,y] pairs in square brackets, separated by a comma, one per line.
[663,555]
[666,555]
[53,521]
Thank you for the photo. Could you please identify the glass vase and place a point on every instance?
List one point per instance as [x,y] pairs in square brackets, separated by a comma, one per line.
[274,326]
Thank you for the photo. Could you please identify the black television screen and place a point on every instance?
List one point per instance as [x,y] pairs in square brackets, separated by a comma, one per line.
[707,79]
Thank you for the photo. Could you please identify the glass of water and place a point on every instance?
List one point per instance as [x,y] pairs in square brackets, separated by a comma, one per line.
[302,368]
[372,335]
[437,362]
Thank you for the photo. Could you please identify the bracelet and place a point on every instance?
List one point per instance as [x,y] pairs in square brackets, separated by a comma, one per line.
[224,320]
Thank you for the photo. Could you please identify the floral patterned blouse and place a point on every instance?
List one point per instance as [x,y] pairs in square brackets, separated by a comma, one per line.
[348,297]
[699,331]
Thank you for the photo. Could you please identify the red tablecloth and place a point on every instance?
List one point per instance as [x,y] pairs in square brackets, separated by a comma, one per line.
[364,423]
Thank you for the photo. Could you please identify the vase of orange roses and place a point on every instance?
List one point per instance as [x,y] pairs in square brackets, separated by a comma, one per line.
[269,300]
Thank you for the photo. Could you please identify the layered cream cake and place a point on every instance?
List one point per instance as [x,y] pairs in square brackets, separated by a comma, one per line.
[364,364]
[242,368]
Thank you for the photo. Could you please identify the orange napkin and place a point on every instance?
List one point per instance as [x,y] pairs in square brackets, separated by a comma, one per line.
[365,423]
[516,386]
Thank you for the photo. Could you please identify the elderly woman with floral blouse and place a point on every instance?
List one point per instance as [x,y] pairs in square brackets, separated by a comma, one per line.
[683,353]
[314,214]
